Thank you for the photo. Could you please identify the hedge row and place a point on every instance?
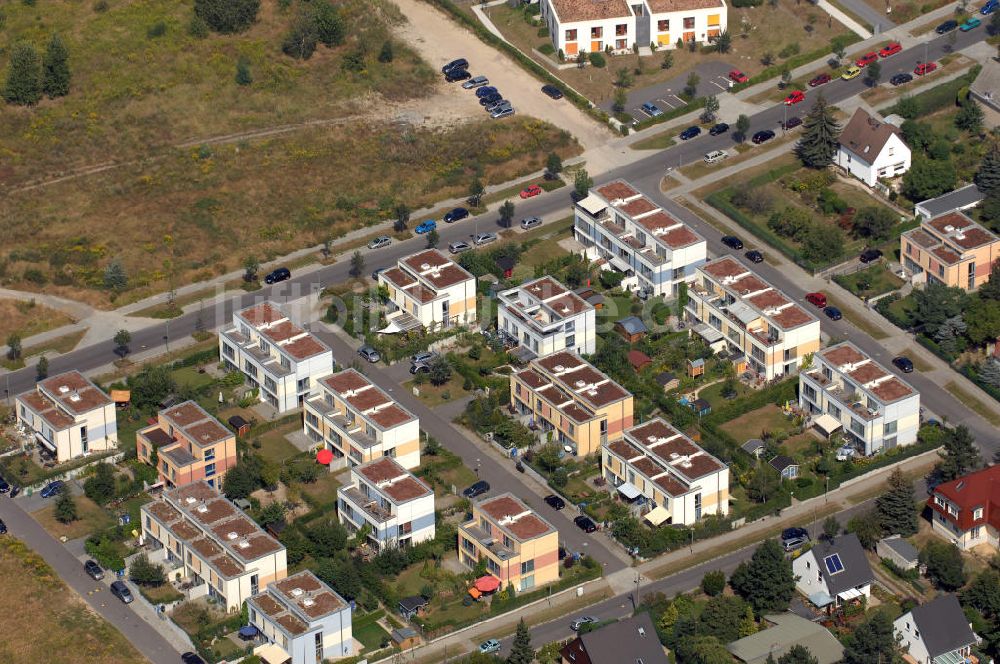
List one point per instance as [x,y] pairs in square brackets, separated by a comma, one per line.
[940,96]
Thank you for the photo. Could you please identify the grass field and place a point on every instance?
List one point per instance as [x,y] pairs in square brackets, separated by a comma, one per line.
[767,418]
[869,282]
[44,621]
[28,318]
[91,519]
[973,402]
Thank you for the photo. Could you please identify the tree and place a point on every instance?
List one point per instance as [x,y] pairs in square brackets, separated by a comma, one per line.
[959,456]
[357,265]
[402,218]
[301,39]
[682,299]
[984,594]
[329,23]
[620,100]
[970,117]
[818,144]
[989,372]
[873,641]
[100,487]
[764,483]
[227,16]
[14,349]
[691,87]
[55,69]
[240,482]
[507,214]
[151,386]
[766,582]
[713,583]
[987,178]
[553,165]
[273,513]
[867,527]
[945,567]
[385,54]
[146,573]
[875,223]
[440,370]
[122,339]
[115,278]
[936,303]
[668,60]
[724,42]
[721,617]
[742,127]
[623,78]
[831,527]
[748,623]
[928,178]
[705,650]
[839,50]
[873,73]
[243,75]
[711,108]
[786,75]
[432,239]
[521,651]
[24,76]
[822,243]
[582,183]
[251,266]
[991,289]
[798,654]
[895,507]
[42,368]
[982,319]
[65,510]
[476,190]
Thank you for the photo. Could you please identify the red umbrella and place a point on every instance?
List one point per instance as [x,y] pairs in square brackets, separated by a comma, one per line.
[487,584]
[324,456]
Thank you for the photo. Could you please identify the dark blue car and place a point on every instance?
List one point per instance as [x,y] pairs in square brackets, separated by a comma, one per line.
[426,227]
[486,91]
[457,214]
[690,132]
[52,489]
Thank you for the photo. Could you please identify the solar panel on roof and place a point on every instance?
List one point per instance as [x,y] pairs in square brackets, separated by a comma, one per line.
[834,564]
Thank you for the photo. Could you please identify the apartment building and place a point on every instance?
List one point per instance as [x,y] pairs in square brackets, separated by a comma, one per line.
[950,249]
[189,445]
[566,395]
[358,422]
[545,317]
[966,511]
[618,26]
[627,232]
[277,356]
[201,536]
[846,389]
[520,548]
[679,481]
[731,307]
[429,289]
[398,506]
[304,621]
[69,415]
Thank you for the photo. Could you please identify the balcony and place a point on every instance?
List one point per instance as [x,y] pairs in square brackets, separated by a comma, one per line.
[852,402]
[488,542]
[370,506]
[353,431]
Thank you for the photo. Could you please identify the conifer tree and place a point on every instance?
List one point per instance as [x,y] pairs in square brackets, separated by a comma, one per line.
[55,69]
[818,144]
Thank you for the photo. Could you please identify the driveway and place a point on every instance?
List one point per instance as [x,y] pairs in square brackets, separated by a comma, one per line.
[714,79]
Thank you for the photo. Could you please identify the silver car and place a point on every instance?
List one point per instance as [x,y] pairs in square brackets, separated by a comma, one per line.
[485,238]
[459,247]
[380,242]
[502,113]
[475,82]
[369,353]
[531,222]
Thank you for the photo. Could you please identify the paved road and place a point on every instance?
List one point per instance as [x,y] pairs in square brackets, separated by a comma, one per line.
[147,640]
[879,20]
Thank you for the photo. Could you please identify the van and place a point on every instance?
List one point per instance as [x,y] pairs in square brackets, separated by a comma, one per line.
[714,156]
[531,222]
[816,299]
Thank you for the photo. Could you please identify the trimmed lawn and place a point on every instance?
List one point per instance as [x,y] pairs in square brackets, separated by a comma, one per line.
[190,377]
[275,447]
[871,281]
[768,418]
[371,635]
[91,519]
[434,395]
[713,393]
[661,141]
[323,490]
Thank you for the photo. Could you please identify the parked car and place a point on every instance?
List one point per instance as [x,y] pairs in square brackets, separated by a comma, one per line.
[477,489]
[491,646]
[476,82]
[651,109]
[947,26]
[793,544]
[822,79]
[585,523]
[852,71]
[530,222]
[795,97]
[3,527]
[419,367]
[454,75]
[925,68]
[900,79]
[52,489]
[892,48]
[989,7]
[866,59]
[460,63]
[14,490]
[870,255]
[581,621]
[459,247]
[4,486]
[530,191]
[732,242]
[502,113]
[490,100]
[690,132]
[970,23]
[484,238]
[793,532]
[423,356]
[280,274]
[715,156]
[736,76]
[486,91]
[93,570]
[554,501]
[500,105]
[192,658]
[380,242]
[457,214]
[903,363]
[816,299]
[121,591]
[720,128]
[762,136]
[845,452]
[426,227]
[754,256]
[833,313]
[377,272]
[552,91]
[791,123]
[369,353]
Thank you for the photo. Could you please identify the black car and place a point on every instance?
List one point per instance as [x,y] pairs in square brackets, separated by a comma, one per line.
[93,570]
[720,128]
[192,658]
[586,524]
[489,100]
[121,591]
[454,75]
[947,26]
[419,367]
[378,272]
[762,136]
[754,256]
[870,255]
[833,313]
[3,527]
[280,274]
[4,487]
[486,91]
[903,363]
[461,63]
[690,132]
[554,501]
[732,242]
[900,79]
[791,533]
[14,490]
[552,91]
[791,123]
[477,489]
[456,215]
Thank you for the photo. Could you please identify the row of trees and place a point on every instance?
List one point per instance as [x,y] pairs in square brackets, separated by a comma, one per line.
[30,76]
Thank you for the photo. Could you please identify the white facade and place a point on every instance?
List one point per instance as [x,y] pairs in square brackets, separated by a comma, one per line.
[398,506]
[877,410]
[276,356]
[69,415]
[429,289]
[936,632]
[620,226]
[810,580]
[546,317]
[869,149]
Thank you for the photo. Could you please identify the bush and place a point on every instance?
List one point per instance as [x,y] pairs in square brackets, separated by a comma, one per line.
[227,16]
[145,573]
[713,583]
[597,60]
[789,50]
[747,3]
[546,48]
[158,29]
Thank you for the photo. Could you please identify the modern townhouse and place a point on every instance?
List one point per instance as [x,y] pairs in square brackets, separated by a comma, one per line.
[845,388]
[303,620]
[429,289]
[69,415]
[277,357]
[520,548]
[625,231]
[966,511]
[566,395]
[731,307]
[199,535]
[353,418]
[397,506]
[618,26]
[678,480]
[545,317]
[950,249]
[189,445]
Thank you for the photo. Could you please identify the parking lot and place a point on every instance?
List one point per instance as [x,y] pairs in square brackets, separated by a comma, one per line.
[714,79]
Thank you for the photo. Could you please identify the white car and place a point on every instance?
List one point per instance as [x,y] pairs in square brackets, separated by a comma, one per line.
[715,156]
[845,453]
[459,247]
[380,242]
[485,238]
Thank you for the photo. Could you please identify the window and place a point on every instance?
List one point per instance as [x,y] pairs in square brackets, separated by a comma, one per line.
[663,26]
[833,564]
[83,439]
[303,384]
[977,513]
[254,584]
[528,566]
[507,542]
[210,470]
[571,35]
[210,454]
[975,532]
[596,32]
[857,427]
[972,275]
[889,428]
[527,582]
[689,23]
[810,392]
[570,326]
[621,29]
[570,340]
[833,410]
[319,646]
[228,351]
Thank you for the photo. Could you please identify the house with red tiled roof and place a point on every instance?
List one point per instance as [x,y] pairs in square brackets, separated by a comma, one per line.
[870,148]
[949,249]
[966,511]
[186,444]
[627,233]
[277,357]
[398,506]
[428,289]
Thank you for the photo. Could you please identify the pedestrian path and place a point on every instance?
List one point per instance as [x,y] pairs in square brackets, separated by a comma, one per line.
[846,20]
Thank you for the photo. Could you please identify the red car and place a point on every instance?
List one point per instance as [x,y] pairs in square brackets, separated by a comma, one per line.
[817,299]
[819,80]
[738,77]
[531,190]
[795,97]
[866,59]
[925,68]
[892,48]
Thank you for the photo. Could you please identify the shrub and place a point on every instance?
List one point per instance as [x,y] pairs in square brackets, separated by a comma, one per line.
[543,32]
[227,16]
[789,50]
[547,49]
[597,59]
[145,573]
[101,6]
[713,583]
[158,29]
